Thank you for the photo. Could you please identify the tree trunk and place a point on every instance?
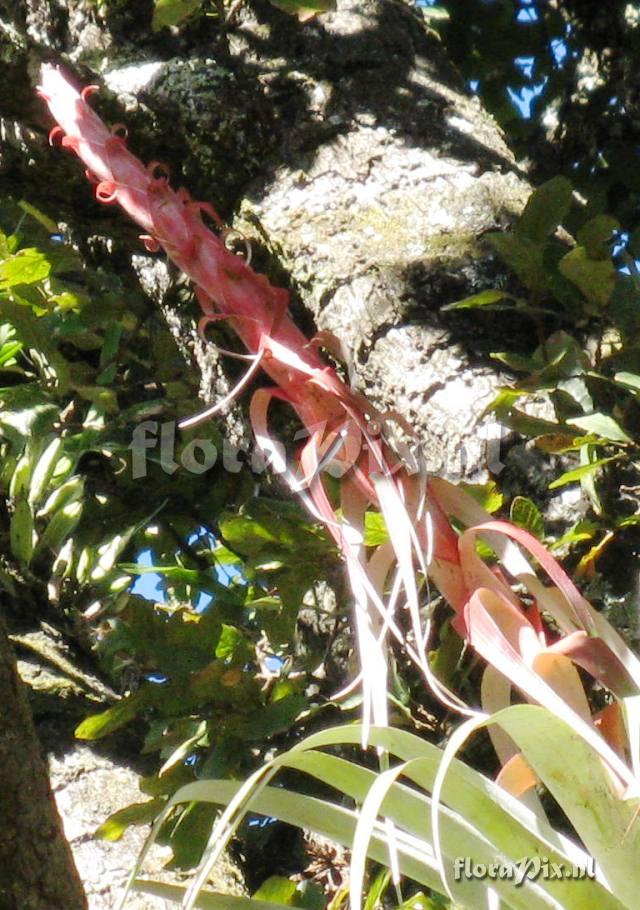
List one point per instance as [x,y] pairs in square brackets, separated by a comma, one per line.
[348,146]
[36,867]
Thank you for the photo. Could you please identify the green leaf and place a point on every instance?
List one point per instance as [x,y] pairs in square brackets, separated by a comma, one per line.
[276,717]
[47,223]
[630,381]
[505,400]
[232,645]
[21,531]
[137,814]
[377,890]
[172,12]
[487,494]
[493,299]
[435,13]
[375,529]
[596,278]
[27,267]
[519,362]
[277,889]
[527,425]
[624,306]
[68,301]
[9,351]
[629,521]
[581,531]
[578,779]
[188,836]
[445,659]
[309,896]
[480,819]
[420,901]
[545,209]
[305,9]
[579,473]
[523,256]
[602,425]
[527,515]
[98,725]
[596,235]
[207,900]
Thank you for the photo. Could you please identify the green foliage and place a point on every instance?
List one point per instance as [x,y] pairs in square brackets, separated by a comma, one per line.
[526,514]
[173,12]
[441,810]
[527,63]
[586,311]
[285,893]
[84,360]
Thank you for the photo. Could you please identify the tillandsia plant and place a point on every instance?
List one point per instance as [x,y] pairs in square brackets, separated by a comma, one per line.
[533,642]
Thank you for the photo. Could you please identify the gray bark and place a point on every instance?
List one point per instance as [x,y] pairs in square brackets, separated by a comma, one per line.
[388,176]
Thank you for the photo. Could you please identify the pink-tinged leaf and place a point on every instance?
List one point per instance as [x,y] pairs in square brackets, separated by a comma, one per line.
[553,569]
[475,571]
[559,672]
[594,656]
[482,616]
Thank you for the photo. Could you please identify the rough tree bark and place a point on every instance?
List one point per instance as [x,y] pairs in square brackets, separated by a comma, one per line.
[347,150]
[36,866]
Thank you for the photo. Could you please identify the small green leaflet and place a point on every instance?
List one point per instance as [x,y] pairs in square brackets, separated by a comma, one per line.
[304,9]
[545,209]
[595,278]
[493,298]
[523,255]
[487,494]
[630,381]
[375,529]
[282,891]
[137,814]
[596,235]
[172,12]
[99,725]
[26,267]
[579,473]
[526,514]
[602,425]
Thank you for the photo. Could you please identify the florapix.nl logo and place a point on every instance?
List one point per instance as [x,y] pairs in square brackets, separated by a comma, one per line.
[338,452]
